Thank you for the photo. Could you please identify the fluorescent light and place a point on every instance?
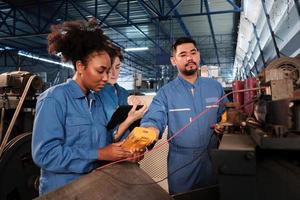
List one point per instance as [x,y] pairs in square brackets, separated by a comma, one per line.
[29,55]
[137,49]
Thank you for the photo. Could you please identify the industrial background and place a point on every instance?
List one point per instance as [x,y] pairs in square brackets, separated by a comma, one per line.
[240,41]
[230,37]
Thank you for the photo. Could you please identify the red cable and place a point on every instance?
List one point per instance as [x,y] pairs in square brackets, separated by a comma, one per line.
[180,130]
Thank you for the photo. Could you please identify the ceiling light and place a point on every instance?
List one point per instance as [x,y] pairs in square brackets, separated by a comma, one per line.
[29,55]
[137,49]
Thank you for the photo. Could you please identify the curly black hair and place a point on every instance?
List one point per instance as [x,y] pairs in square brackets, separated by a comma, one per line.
[77,40]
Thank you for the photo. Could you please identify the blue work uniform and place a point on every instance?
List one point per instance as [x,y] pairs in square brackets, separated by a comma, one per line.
[175,105]
[112,96]
[68,130]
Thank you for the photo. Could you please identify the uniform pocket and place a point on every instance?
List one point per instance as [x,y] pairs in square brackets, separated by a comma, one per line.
[77,121]
[78,130]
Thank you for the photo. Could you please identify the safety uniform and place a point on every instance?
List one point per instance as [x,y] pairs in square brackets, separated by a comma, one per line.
[69,128]
[175,105]
[112,96]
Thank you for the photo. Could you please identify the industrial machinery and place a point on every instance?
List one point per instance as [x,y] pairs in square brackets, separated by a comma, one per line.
[260,159]
[126,181]
[18,174]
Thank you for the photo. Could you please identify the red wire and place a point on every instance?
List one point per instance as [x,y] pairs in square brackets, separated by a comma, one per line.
[180,130]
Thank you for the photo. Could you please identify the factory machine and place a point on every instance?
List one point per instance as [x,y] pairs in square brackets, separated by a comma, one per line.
[258,157]
[18,174]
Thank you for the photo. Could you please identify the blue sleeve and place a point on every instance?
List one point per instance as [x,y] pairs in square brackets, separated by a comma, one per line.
[123,96]
[222,102]
[157,114]
[49,149]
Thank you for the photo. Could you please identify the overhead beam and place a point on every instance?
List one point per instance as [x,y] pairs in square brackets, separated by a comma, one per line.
[180,21]
[136,27]
[199,14]
[148,7]
[270,28]
[212,30]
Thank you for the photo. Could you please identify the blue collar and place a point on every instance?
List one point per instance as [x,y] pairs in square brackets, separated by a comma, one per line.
[76,91]
[188,84]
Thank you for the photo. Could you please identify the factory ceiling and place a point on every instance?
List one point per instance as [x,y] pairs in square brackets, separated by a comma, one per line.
[130,23]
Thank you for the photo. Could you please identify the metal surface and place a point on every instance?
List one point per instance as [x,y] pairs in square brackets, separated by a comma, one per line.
[284,113]
[124,181]
[289,67]
[235,163]
[267,141]
[208,193]
[247,172]
[278,125]
[18,174]
[282,89]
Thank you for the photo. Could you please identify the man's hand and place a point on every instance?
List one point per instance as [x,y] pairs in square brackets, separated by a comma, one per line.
[219,129]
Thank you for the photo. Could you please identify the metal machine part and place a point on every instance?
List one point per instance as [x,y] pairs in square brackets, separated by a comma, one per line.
[234,114]
[17,102]
[281,89]
[247,172]
[284,113]
[18,174]
[284,68]
[124,181]
[262,160]
[278,126]
[13,83]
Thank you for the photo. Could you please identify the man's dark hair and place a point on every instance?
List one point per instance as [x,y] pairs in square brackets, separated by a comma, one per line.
[182,40]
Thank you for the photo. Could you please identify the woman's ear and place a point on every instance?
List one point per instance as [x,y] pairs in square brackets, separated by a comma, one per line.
[79,66]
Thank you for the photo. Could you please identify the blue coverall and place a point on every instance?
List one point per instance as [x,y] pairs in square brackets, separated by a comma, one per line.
[69,128]
[175,105]
[112,96]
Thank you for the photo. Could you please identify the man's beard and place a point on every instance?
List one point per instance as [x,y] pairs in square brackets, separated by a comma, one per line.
[189,72]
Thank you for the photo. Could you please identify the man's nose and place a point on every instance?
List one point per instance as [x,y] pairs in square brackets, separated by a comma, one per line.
[189,57]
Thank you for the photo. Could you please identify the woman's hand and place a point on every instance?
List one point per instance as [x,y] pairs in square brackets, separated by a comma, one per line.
[134,114]
[137,155]
[114,152]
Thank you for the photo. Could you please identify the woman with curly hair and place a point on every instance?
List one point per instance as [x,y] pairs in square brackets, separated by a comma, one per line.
[69,133]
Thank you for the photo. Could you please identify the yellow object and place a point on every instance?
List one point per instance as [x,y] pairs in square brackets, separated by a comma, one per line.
[224,117]
[139,138]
